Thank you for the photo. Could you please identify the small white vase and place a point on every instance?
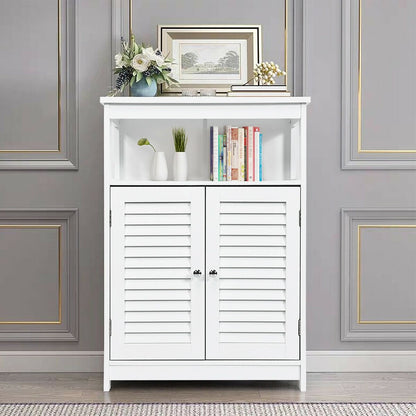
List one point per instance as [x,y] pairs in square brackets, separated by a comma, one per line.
[159,167]
[180,166]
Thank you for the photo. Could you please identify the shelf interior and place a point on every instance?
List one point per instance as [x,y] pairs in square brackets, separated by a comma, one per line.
[131,163]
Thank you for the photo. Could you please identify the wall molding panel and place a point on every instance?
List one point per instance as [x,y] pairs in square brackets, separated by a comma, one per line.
[43,279]
[356,154]
[123,22]
[63,155]
[378,274]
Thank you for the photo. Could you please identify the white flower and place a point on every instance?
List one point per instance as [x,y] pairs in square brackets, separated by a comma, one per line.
[140,62]
[149,53]
[119,60]
[160,60]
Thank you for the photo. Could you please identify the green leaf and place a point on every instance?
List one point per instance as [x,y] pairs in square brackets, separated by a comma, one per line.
[149,81]
[139,76]
[143,142]
[131,81]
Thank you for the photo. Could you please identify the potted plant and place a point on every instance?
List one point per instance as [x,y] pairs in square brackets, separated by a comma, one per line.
[142,68]
[159,170]
[180,164]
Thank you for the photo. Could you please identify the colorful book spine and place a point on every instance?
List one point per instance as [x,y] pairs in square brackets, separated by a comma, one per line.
[256,155]
[228,134]
[241,161]
[225,157]
[235,158]
[256,132]
[260,157]
[250,154]
[214,152]
[220,156]
[245,153]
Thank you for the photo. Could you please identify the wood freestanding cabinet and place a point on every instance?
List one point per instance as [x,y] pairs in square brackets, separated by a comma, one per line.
[204,280]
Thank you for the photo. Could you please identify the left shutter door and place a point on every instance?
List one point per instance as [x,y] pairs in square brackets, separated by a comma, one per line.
[157,304]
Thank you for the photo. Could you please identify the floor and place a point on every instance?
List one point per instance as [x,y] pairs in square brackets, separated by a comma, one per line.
[86,387]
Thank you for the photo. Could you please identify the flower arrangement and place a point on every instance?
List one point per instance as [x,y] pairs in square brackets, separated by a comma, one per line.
[265,72]
[136,62]
[180,139]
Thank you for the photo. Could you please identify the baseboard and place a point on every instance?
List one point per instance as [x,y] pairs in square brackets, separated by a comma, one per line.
[360,361]
[317,361]
[51,361]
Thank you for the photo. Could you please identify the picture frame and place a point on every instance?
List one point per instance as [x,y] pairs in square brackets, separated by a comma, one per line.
[210,56]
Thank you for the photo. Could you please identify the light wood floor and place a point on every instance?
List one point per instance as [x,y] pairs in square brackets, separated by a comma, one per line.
[329,387]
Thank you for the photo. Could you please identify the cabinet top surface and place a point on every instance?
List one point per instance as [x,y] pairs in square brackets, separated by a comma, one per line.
[204,100]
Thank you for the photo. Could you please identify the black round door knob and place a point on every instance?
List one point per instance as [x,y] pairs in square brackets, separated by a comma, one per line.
[197,271]
[213,272]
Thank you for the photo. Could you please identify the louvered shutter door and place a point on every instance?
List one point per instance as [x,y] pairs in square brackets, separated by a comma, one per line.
[253,239]
[157,304]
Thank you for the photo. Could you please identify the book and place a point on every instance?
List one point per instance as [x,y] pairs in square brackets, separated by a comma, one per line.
[241,161]
[256,132]
[245,152]
[234,154]
[258,94]
[220,156]
[225,157]
[214,153]
[250,153]
[228,134]
[238,88]
[260,157]
[256,155]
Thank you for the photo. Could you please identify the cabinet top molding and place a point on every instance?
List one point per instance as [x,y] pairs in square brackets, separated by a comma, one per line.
[205,100]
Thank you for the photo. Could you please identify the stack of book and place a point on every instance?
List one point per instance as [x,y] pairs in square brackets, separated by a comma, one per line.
[236,155]
[259,90]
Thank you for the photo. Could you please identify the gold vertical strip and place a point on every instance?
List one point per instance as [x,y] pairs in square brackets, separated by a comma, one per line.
[286,29]
[40,226]
[60,273]
[359,320]
[130,19]
[359,120]
[359,116]
[359,274]
[59,73]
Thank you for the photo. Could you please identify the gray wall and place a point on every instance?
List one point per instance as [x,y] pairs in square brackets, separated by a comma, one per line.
[47,190]
[70,195]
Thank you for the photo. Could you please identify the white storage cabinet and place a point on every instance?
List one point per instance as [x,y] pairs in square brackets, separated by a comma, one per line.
[204,280]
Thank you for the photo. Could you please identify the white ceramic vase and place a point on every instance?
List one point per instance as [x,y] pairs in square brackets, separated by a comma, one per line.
[180,166]
[159,167]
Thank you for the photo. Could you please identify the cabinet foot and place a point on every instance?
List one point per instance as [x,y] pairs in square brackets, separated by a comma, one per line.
[302,383]
[106,384]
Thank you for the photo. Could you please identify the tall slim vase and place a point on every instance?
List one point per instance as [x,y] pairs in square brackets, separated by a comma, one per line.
[159,167]
[180,166]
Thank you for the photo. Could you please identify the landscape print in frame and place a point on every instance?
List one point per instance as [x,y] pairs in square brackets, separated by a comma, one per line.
[210,56]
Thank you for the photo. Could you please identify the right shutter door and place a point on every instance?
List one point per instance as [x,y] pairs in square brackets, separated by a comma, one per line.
[253,244]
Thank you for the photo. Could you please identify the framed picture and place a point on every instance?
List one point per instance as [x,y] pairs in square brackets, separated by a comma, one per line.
[210,56]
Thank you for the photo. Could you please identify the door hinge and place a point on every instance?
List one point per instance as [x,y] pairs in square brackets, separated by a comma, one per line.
[110,327]
[111,218]
[299,327]
[300,217]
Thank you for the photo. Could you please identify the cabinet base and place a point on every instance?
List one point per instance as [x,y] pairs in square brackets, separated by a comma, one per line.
[204,370]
